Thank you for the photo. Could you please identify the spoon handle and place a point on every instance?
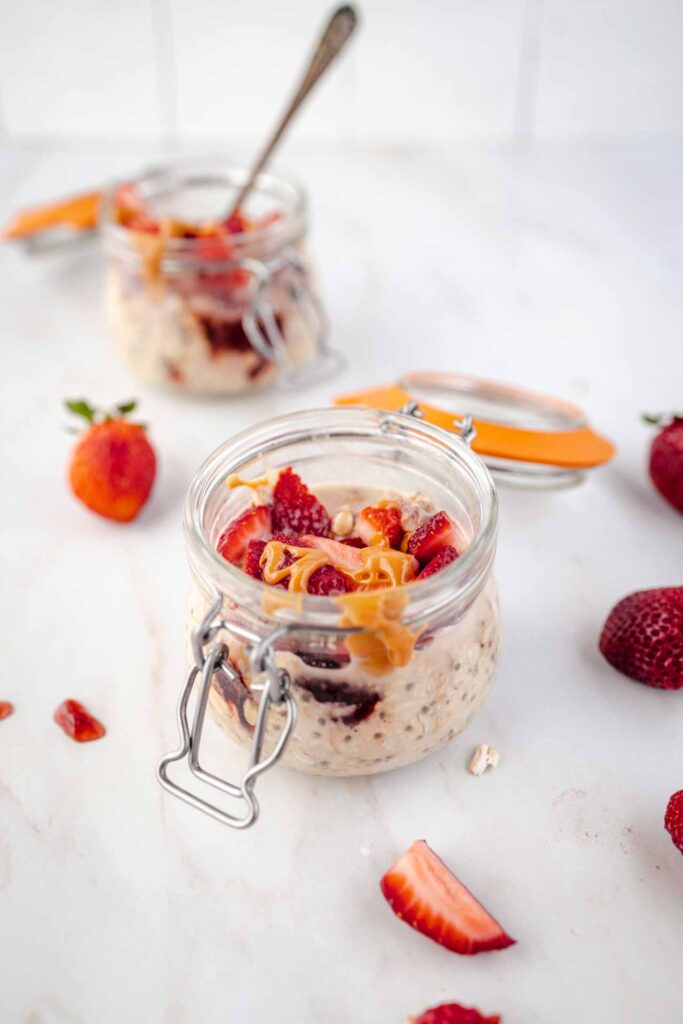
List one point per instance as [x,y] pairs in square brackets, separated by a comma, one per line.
[337,33]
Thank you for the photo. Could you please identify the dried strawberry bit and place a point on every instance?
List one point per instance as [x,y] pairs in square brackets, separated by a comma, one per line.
[454,1013]
[78,723]
[6,709]
[295,509]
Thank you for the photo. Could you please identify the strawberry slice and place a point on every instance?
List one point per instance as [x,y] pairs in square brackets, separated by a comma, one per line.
[431,536]
[377,525]
[341,555]
[425,894]
[295,509]
[329,582]
[439,562]
[254,524]
[453,1013]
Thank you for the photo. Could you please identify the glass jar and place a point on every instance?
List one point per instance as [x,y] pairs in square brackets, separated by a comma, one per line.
[356,714]
[182,315]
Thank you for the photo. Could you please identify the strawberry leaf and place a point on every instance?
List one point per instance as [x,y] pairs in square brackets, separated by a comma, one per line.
[125,407]
[80,407]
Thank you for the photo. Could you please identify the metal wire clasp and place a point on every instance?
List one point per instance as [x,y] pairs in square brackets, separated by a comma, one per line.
[274,691]
[463,426]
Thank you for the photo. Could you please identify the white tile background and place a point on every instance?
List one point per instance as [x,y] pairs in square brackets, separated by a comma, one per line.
[420,70]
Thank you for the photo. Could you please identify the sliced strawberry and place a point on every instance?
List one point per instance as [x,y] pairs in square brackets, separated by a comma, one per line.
[327,581]
[252,560]
[353,542]
[454,1013]
[431,536]
[77,722]
[295,509]
[254,524]
[377,525]
[439,562]
[339,554]
[425,894]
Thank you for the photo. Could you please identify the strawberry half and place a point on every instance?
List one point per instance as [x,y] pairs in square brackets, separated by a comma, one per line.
[254,524]
[295,509]
[377,525]
[673,819]
[433,535]
[643,637]
[666,462]
[438,562]
[453,1013]
[329,582]
[426,895]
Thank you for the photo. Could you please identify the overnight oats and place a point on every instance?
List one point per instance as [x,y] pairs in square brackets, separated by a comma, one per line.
[206,302]
[366,540]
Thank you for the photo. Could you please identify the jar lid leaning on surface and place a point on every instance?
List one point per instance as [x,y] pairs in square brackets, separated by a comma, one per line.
[524,437]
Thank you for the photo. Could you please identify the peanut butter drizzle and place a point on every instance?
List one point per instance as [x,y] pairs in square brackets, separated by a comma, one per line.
[376,607]
[385,642]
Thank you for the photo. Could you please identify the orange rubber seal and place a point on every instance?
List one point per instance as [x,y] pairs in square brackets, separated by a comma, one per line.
[80,212]
[579,447]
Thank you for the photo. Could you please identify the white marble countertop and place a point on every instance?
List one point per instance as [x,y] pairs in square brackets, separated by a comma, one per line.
[559,269]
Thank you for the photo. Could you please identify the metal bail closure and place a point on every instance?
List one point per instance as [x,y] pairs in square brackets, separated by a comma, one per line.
[274,691]
[463,425]
[263,331]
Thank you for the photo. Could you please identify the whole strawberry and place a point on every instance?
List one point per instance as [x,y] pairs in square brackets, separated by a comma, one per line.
[666,459]
[673,820]
[113,465]
[643,637]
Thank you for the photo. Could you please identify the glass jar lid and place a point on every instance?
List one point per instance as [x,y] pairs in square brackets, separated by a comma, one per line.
[523,437]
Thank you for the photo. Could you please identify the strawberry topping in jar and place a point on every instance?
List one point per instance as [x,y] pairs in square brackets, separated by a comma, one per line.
[207,302]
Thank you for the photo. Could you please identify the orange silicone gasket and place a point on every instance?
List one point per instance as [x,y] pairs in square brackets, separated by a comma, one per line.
[79,212]
[574,448]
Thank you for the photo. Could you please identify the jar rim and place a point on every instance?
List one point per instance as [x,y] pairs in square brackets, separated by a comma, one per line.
[183,173]
[465,576]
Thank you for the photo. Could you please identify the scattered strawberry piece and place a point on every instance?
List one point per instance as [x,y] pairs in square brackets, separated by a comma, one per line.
[254,524]
[453,1013]
[426,895]
[113,465]
[377,525]
[439,562]
[427,540]
[643,637]
[236,224]
[666,460]
[341,555]
[295,509]
[353,542]
[6,709]
[78,723]
[252,559]
[673,820]
[327,581]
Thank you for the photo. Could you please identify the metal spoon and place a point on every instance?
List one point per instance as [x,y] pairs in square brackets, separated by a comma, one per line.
[337,33]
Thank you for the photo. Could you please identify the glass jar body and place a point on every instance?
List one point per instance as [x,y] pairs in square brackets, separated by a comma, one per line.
[352,719]
[190,318]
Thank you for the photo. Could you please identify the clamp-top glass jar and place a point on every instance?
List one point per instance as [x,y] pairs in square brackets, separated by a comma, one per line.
[205,313]
[328,704]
